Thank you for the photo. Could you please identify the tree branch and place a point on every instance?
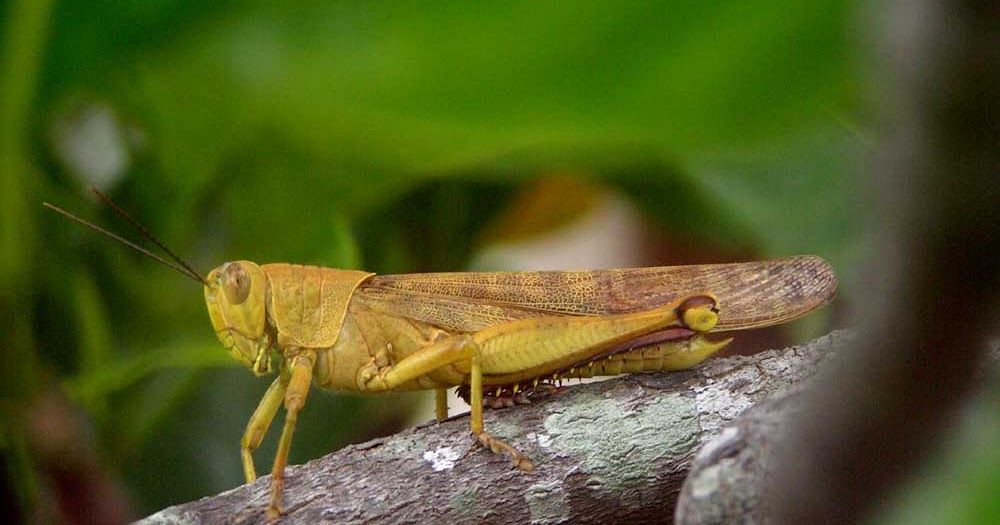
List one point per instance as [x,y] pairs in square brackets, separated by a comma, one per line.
[731,474]
[617,450]
[929,305]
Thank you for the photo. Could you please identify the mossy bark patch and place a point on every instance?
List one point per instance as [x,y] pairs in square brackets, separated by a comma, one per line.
[621,454]
[547,503]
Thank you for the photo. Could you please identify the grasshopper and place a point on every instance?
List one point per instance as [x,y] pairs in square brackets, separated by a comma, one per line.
[498,337]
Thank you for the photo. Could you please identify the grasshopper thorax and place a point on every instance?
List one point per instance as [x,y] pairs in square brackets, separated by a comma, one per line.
[234,296]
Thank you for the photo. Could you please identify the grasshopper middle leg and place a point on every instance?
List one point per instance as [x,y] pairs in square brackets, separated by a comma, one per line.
[441,403]
[295,398]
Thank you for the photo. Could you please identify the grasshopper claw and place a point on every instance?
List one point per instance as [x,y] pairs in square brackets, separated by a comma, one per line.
[273,513]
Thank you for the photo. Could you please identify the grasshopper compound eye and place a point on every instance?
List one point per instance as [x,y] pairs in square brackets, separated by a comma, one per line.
[235,283]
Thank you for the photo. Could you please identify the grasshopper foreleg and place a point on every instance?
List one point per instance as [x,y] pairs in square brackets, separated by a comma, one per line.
[259,422]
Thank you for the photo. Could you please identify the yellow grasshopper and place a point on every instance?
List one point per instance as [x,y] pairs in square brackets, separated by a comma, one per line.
[498,337]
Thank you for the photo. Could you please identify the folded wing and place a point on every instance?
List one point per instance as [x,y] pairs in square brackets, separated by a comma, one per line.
[751,294]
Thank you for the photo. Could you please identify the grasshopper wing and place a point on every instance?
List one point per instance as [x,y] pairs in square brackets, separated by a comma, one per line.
[751,294]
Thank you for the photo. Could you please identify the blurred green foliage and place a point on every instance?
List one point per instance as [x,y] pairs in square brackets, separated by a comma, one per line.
[959,484]
[384,138]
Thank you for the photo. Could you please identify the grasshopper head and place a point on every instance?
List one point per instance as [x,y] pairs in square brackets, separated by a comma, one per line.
[234,295]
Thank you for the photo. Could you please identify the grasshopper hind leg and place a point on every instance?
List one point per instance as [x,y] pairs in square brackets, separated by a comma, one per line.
[476,421]
[451,350]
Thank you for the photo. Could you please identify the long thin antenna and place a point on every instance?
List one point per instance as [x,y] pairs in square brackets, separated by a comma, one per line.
[142,229]
[183,269]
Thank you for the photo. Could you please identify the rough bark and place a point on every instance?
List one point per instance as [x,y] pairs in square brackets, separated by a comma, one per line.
[731,474]
[615,451]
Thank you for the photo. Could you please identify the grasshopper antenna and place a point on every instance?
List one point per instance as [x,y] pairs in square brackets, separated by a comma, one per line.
[149,235]
[180,266]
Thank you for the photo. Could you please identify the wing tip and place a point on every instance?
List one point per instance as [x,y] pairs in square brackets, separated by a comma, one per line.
[824,277]
[812,282]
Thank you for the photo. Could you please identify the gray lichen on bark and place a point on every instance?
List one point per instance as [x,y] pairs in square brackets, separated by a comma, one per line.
[617,450]
[728,477]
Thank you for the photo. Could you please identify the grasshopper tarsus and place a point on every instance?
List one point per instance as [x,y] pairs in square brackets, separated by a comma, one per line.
[498,446]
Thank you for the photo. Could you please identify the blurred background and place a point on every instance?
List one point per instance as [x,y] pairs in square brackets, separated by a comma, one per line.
[405,138]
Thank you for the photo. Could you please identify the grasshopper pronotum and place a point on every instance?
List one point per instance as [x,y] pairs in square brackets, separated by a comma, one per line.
[498,337]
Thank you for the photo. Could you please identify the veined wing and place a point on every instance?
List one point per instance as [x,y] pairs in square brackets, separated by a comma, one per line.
[751,294]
